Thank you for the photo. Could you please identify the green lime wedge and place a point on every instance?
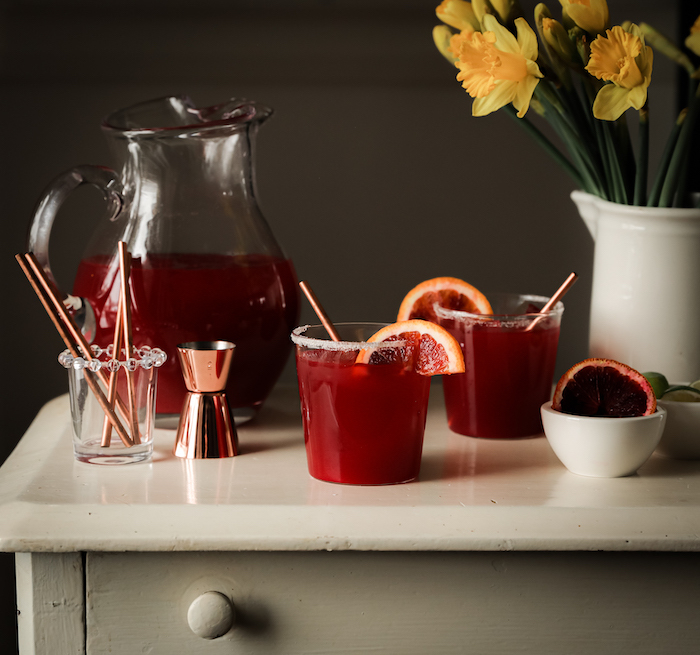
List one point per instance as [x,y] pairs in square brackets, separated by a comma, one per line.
[658,382]
[696,384]
[682,394]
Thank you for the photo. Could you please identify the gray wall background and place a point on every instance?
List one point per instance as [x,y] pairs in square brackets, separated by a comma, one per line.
[372,172]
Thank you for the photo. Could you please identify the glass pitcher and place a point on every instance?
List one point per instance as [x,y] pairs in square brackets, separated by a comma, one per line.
[205,264]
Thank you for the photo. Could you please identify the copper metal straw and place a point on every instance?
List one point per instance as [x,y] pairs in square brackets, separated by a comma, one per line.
[558,295]
[113,376]
[56,308]
[330,328]
[65,329]
[125,307]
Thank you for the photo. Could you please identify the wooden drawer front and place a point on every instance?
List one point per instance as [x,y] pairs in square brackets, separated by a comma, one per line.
[422,603]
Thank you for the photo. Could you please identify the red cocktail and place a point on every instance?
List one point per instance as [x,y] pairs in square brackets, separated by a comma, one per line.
[363,423]
[509,360]
[251,300]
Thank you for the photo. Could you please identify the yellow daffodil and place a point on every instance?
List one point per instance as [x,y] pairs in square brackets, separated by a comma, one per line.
[558,40]
[590,15]
[441,37]
[693,40]
[496,68]
[458,14]
[484,7]
[623,59]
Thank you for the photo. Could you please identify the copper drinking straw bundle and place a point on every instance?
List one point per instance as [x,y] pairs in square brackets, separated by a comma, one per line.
[112,404]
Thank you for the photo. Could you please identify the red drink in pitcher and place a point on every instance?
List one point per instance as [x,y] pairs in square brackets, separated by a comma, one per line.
[363,423]
[251,300]
[509,361]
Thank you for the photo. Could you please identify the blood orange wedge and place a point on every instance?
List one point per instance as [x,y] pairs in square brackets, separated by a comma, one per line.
[450,292]
[435,350]
[603,387]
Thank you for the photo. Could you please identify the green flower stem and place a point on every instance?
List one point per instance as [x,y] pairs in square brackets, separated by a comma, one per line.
[692,89]
[659,42]
[628,163]
[640,182]
[581,112]
[591,87]
[579,148]
[613,156]
[655,192]
[549,94]
[680,152]
[611,191]
[547,145]
[582,124]
[577,151]
[682,183]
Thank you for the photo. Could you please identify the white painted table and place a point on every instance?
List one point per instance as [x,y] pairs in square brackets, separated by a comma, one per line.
[497,549]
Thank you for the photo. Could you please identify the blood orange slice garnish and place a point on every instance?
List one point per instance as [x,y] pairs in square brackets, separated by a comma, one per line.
[603,387]
[435,350]
[450,292]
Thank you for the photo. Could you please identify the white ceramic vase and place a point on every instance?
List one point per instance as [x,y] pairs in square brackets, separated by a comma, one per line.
[645,303]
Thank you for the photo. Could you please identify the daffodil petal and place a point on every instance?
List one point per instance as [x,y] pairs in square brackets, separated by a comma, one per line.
[458,14]
[621,57]
[441,37]
[611,102]
[492,65]
[645,62]
[590,15]
[637,97]
[533,69]
[479,9]
[502,94]
[503,7]
[692,42]
[505,41]
[524,94]
[526,39]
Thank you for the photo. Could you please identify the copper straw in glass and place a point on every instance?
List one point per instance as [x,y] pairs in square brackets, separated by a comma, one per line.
[66,328]
[125,309]
[113,375]
[56,308]
[316,305]
[558,295]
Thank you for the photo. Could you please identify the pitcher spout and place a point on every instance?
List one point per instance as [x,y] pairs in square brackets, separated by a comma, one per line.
[586,204]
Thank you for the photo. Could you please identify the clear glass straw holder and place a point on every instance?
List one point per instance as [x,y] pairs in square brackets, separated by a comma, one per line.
[136,379]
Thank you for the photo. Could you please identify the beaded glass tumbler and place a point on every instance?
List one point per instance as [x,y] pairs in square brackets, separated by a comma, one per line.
[95,440]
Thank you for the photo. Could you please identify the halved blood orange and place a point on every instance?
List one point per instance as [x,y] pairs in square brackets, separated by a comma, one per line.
[450,292]
[603,387]
[436,351]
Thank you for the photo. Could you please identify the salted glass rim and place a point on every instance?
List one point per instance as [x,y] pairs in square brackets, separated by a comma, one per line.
[328,344]
[558,309]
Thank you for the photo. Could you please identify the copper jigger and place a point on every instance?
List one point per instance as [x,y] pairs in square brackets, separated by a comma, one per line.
[206,428]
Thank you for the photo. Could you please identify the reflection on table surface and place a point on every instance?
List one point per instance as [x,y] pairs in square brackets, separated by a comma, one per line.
[471,494]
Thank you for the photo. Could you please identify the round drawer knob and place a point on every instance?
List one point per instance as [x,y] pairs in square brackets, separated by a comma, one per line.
[211,615]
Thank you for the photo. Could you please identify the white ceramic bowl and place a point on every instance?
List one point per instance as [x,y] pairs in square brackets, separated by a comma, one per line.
[681,438]
[599,446]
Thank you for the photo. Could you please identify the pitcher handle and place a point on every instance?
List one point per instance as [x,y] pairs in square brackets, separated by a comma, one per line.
[50,202]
